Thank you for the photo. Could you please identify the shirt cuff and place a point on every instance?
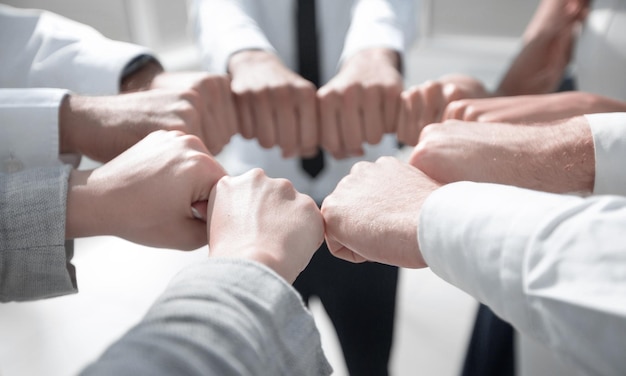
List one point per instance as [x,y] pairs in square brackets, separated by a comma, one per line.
[29,131]
[475,235]
[609,139]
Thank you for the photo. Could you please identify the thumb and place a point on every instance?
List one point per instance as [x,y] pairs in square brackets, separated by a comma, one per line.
[342,252]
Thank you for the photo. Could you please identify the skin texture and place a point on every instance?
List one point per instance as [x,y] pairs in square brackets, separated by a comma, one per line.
[145,194]
[280,108]
[532,108]
[425,103]
[537,69]
[555,157]
[275,105]
[548,42]
[266,220]
[361,103]
[216,103]
[373,213]
[103,127]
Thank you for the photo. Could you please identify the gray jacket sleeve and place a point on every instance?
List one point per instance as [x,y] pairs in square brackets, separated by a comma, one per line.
[34,259]
[221,317]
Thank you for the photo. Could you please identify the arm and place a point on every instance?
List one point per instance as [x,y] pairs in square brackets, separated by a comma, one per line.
[361,102]
[34,261]
[47,50]
[549,264]
[547,47]
[42,207]
[581,154]
[236,313]
[274,104]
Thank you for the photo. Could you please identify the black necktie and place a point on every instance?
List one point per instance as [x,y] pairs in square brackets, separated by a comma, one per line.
[308,66]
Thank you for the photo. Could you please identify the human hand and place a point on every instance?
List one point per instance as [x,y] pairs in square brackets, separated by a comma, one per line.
[217,105]
[556,157]
[425,103]
[103,127]
[146,193]
[266,220]
[548,42]
[373,214]
[531,108]
[361,103]
[274,104]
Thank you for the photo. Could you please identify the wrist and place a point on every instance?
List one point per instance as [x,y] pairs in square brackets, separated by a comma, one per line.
[379,56]
[246,58]
[81,210]
[573,157]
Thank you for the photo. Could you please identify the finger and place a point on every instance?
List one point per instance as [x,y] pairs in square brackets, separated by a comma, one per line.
[264,121]
[350,130]
[455,110]
[372,117]
[328,108]
[286,130]
[243,103]
[342,252]
[391,108]
[228,100]
[409,126]
[433,103]
[308,126]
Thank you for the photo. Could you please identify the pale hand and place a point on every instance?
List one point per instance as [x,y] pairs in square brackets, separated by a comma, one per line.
[373,214]
[266,220]
[425,103]
[361,103]
[216,105]
[532,108]
[146,193]
[103,127]
[275,105]
[555,157]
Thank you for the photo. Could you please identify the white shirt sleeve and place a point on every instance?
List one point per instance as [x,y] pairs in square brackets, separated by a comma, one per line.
[381,23]
[29,128]
[551,265]
[42,49]
[609,139]
[223,27]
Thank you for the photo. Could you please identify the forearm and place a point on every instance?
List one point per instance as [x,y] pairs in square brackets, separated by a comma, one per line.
[221,317]
[34,261]
[546,263]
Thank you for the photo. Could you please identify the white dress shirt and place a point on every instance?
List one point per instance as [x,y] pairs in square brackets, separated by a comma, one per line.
[600,55]
[223,27]
[554,266]
[44,55]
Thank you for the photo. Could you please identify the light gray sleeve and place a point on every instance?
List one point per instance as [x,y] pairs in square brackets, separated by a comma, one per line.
[221,317]
[34,259]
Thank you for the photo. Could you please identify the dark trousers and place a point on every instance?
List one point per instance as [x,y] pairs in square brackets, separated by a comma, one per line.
[491,350]
[360,300]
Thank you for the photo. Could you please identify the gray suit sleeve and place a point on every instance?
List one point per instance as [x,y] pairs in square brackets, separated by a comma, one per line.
[34,257]
[221,317]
